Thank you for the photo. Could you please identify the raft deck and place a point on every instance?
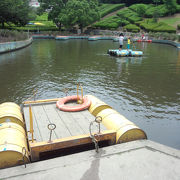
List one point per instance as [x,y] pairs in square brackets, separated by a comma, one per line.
[72,128]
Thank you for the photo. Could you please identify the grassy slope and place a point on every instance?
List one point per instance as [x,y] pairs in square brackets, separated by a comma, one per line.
[171,20]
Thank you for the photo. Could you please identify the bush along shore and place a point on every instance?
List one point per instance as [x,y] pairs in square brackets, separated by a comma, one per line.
[10,35]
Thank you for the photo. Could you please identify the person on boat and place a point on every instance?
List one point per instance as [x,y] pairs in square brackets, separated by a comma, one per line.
[128,43]
[142,36]
[121,39]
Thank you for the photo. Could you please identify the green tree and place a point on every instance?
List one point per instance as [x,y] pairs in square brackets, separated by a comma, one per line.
[156,12]
[171,5]
[79,12]
[54,8]
[14,11]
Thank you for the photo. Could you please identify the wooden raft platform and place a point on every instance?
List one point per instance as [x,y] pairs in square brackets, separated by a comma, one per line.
[72,128]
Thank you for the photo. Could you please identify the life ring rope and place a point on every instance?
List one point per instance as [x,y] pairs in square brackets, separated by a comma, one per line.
[61,104]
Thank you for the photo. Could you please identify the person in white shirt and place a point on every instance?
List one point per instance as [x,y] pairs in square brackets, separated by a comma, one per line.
[121,39]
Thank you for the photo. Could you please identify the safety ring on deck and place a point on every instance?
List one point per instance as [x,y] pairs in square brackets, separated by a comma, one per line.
[61,104]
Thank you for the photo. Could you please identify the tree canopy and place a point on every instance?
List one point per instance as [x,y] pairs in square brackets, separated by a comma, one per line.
[14,11]
[171,5]
[54,8]
[79,12]
[71,12]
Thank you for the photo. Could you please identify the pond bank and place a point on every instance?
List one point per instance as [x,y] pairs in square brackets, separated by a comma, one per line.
[95,38]
[12,46]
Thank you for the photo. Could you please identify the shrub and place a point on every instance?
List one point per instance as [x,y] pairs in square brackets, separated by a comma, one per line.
[178,26]
[163,27]
[131,28]
[140,9]
[164,36]
[9,35]
[161,9]
[112,22]
[134,19]
[150,25]
[129,15]
[109,8]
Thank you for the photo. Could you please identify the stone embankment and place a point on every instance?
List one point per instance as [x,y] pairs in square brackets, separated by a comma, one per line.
[12,46]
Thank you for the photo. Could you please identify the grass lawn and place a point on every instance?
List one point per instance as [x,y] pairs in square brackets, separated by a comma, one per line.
[171,20]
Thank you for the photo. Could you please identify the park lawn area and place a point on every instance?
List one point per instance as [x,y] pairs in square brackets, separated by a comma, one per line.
[171,20]
[45,24]
[43,20]
[43,17]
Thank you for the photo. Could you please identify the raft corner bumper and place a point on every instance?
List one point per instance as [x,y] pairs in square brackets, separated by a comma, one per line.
[131,133]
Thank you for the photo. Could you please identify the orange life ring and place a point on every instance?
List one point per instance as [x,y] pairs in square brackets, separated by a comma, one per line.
[61,104]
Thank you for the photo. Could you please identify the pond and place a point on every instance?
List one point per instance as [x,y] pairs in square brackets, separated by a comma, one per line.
[146,90]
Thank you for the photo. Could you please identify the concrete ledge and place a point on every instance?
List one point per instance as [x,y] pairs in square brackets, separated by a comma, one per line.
[12,46]
[167,42]
[142,159]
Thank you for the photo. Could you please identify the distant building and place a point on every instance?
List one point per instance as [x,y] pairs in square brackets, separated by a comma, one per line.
[34,3]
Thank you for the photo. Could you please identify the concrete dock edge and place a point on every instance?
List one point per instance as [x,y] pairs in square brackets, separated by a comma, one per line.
[12,46]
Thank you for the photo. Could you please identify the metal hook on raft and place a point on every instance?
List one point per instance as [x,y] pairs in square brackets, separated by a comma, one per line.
[95,137]
[51,127]
[23,156]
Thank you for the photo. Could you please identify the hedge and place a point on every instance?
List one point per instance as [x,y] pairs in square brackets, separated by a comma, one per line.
[140,8]
[112,22]
[150,25]
[131,28]
[161,10]
[129,15]
[109,8]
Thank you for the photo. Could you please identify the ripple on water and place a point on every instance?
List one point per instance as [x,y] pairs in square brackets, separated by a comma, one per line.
[145,90]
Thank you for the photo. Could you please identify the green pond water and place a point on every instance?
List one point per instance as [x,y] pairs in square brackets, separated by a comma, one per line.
[146,90]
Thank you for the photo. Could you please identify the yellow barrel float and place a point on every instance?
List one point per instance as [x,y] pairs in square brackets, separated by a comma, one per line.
[11,112]
[96,105]
[125,130]
[13,145]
